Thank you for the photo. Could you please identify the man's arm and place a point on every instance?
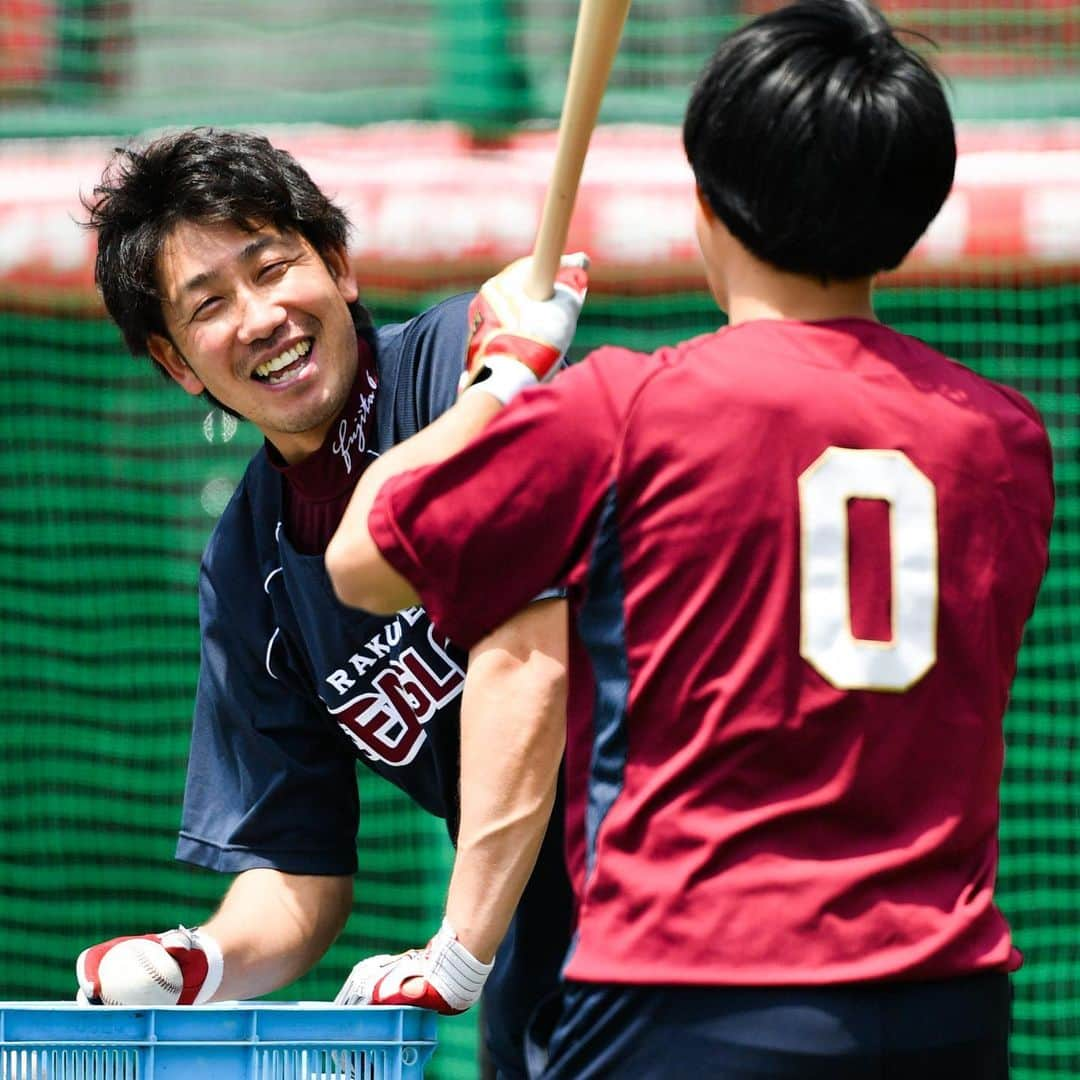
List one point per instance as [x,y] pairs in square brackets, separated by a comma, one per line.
[270,929]
[274,927]
[515,343]
[513,729]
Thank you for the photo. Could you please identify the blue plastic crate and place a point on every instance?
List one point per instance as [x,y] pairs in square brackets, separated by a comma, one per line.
[231,1041]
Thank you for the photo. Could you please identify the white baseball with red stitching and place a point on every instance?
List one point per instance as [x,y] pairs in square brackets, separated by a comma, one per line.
[139,972]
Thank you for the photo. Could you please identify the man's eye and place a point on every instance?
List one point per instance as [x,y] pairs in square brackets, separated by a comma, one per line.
[273,269]
[205,308]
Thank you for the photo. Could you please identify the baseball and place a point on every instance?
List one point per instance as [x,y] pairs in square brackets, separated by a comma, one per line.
[139,972]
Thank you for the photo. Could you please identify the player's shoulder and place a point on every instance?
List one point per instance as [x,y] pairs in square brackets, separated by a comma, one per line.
[446,319]
[1004,404]
[620,375]
[1013,403]
[419,363]
[634,367]
[635,363]
[1011,439]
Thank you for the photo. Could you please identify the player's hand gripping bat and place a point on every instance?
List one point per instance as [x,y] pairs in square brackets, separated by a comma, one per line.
[523,319]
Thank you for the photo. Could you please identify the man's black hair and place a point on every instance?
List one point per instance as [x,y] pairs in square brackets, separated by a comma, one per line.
[823,144]
[204,176]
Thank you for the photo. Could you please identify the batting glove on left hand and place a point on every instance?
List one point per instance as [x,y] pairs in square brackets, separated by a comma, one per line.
[452,978]
[515,341]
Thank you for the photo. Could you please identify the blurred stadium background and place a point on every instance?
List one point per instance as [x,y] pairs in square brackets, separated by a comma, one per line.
[431,121]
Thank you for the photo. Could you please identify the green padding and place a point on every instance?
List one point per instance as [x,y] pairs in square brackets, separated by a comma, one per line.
[110,488]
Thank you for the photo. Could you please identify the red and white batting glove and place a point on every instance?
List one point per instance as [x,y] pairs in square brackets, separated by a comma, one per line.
[196,953]
[515,341]
[453,978]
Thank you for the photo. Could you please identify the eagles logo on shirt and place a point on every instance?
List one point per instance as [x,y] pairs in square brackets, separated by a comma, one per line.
[387,691]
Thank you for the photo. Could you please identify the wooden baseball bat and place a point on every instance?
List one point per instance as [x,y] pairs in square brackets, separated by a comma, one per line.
[596,41]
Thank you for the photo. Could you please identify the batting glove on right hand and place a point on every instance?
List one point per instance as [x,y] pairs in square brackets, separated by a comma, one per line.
[515,341]
[195,952]
[451,978]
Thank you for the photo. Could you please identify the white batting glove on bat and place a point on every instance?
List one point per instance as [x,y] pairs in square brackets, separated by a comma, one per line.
[452,979]
[178,967]
[515,341]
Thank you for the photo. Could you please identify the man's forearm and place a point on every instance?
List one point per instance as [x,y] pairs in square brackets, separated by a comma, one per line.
[513,728]
[274,927]
[360,575]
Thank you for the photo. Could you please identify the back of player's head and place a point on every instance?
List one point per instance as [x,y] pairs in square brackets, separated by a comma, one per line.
[822,142]
[202,176]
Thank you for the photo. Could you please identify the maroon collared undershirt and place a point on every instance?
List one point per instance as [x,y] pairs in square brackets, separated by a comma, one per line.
[317,489]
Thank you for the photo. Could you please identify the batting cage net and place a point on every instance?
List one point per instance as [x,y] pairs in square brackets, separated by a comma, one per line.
[109,66]
[113,478]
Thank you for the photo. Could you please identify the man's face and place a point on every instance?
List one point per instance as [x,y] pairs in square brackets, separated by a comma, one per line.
[261,321]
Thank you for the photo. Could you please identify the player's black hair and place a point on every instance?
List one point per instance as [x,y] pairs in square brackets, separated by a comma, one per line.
[823,143]
[203,175]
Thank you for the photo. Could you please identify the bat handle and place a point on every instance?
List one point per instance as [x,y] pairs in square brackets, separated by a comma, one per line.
[545,261]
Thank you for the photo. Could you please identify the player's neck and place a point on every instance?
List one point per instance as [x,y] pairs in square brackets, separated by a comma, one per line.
[748,288]
[755,290]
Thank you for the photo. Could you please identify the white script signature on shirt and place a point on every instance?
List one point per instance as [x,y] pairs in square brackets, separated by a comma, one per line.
[350,434]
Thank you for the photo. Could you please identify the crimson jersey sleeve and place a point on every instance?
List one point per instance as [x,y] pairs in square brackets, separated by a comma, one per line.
[540,470]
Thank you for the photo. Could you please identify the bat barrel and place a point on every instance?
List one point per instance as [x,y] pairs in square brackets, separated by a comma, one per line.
[599,28]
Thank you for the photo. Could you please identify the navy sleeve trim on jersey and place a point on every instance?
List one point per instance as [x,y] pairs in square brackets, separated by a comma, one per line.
[603,630]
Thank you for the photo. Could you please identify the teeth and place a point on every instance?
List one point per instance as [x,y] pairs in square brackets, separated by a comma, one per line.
[290,356]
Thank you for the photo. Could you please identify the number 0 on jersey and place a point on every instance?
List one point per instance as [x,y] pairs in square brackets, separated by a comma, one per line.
[827,642]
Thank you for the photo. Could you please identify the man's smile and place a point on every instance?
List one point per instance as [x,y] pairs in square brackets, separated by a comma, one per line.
[287,366]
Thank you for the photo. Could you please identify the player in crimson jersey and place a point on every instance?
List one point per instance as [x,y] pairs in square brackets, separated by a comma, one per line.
[221,259]
[801,552]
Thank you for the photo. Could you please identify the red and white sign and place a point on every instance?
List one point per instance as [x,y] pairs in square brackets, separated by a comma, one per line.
[430,206]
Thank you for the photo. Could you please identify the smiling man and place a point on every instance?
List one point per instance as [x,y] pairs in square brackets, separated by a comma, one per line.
[221,260]
[232,332]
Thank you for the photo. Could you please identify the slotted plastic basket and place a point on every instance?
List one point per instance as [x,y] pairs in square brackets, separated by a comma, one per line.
[231,1041]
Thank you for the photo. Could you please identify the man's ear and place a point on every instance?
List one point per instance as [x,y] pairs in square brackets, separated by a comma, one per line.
[167,356]
[338,263]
